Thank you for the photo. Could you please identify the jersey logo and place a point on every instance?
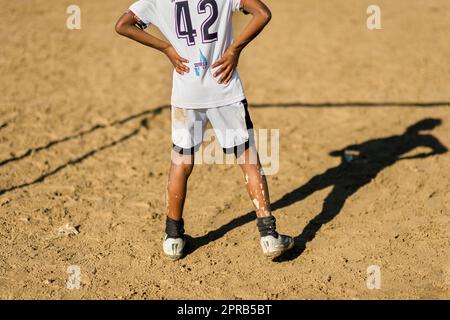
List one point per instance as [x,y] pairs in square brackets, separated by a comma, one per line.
[202,65]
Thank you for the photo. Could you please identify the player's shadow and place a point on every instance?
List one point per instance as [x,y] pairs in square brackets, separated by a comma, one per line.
[360,164]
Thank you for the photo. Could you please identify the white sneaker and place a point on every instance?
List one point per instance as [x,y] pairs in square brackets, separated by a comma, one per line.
[173,247]
[273,247]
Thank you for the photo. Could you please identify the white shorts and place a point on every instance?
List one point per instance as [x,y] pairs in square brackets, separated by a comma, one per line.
[231,124]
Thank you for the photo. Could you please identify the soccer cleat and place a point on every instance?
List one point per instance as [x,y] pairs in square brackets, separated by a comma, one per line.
[173,247]
[275,246]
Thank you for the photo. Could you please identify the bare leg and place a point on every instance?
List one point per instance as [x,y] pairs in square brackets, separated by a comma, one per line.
[180,170]
[273,244]
[255,182]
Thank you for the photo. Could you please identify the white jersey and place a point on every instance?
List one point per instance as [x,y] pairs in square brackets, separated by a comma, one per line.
[200,31]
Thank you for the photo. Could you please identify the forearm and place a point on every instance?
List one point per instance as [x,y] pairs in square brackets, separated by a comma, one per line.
[126,29]
[260,18]
[126,26]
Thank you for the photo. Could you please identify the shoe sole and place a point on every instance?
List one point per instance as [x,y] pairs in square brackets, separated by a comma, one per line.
[276,254]
[173,258]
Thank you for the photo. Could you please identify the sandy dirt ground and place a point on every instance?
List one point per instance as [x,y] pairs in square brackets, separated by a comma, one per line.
[85,140]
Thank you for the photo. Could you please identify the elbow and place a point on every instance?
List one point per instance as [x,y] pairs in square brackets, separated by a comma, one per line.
[120,28]
[266,14]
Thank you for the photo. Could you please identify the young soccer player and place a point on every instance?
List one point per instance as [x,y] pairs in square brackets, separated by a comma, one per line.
[206,87]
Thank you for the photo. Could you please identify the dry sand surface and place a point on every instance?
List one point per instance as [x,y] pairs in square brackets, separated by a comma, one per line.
[83,142]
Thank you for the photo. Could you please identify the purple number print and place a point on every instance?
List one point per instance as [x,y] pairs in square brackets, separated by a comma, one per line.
[213,14]
[183,21]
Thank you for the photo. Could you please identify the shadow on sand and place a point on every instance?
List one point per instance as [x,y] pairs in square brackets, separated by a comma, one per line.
[366,160]
[359,165]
